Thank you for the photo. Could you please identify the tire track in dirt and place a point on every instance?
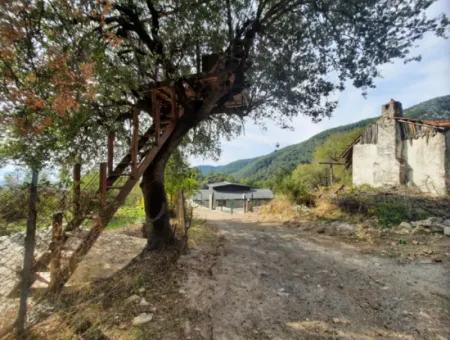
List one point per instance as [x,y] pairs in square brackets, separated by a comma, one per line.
[269,282]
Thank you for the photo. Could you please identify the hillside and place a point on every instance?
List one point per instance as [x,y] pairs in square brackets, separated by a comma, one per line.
[286,159]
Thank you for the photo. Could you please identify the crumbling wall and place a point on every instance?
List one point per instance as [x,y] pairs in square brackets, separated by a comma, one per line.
[447,161]
[426,163]
[388,171]
[364,161]
[379,164]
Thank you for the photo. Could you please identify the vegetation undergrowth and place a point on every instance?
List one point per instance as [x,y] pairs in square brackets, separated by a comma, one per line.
[382,208]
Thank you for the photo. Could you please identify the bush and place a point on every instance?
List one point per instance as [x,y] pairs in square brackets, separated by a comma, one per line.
[297,191]
[390,209]
[389,214]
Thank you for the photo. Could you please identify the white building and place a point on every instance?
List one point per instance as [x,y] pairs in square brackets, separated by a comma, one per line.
[396,151]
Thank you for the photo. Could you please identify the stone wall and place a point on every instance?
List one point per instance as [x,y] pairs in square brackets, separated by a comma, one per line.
[426,163]
[387,165]
[364,161]
[379,164]
[422,162]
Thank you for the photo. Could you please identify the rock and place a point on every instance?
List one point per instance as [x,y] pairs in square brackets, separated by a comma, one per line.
[446,222]
[437,228]
[447,231]
[142,290]
[142,319]
[421,230]
[345,228]
[428,222]
[132,299]
[403,231]
[406,225]
[341,321]
[143,302]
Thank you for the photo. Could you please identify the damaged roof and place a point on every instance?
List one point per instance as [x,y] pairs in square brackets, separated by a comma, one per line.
[441,125]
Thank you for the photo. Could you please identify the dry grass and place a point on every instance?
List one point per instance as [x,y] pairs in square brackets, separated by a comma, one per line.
[280,209]
[101,311]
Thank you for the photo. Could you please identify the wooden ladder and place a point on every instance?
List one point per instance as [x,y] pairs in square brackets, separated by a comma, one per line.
[143,151]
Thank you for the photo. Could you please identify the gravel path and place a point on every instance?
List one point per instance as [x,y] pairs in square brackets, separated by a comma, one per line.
[265,281]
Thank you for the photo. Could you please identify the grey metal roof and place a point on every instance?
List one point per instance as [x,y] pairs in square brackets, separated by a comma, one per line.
[203,195]
[212,185]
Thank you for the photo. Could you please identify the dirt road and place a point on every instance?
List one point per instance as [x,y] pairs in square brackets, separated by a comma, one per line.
[265,281]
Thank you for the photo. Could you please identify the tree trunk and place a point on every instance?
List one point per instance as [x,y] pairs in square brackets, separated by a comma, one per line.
[30,242]
[157,227]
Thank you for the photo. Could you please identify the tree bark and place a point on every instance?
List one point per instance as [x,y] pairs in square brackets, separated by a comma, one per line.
[30,242]
[157,227]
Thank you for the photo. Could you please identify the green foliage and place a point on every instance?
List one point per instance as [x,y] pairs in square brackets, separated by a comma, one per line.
[389,214]
[306,178]
[389,209]
[217,177]
[13,197]
[266,169]
[179,177]
[297,191]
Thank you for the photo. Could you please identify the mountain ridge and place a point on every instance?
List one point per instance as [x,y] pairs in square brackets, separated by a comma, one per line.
[286,159]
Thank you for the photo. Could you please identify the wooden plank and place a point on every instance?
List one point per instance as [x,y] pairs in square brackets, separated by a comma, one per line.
[125,161]
[107,213]
[111,138]
[76,190]
[110,210]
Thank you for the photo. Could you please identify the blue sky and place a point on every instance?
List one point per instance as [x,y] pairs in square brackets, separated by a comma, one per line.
[409,83]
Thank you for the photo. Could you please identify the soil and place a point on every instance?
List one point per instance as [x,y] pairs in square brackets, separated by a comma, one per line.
[264,280]
[248,277]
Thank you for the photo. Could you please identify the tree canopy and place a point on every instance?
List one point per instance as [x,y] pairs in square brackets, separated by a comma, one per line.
[79,67]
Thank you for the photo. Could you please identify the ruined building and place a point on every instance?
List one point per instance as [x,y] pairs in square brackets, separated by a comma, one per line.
[396,150]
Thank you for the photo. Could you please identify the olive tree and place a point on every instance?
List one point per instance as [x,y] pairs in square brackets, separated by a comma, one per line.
[289,56]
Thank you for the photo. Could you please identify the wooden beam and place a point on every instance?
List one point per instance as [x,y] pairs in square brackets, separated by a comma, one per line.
[110,210]
[76,189]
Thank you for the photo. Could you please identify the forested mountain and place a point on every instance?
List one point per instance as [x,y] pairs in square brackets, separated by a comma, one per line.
[286,159]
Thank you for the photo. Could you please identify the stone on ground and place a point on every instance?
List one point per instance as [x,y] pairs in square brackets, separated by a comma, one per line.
[142,319]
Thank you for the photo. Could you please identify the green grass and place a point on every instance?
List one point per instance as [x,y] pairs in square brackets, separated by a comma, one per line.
[390,208]
[127,215]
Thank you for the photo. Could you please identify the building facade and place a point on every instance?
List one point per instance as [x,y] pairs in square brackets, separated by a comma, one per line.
[397,151]
[231,196]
